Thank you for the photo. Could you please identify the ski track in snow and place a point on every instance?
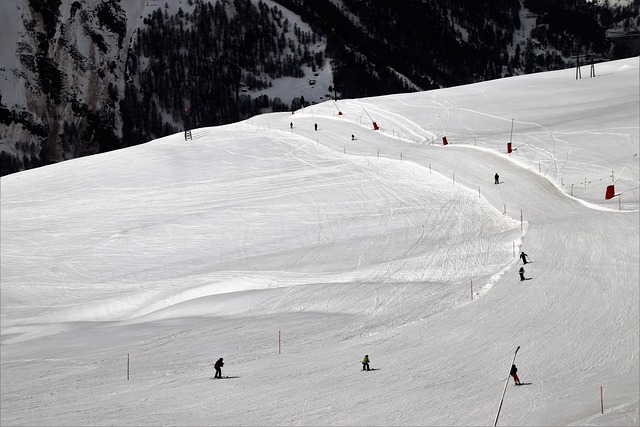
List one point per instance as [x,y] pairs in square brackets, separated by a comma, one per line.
[212,247]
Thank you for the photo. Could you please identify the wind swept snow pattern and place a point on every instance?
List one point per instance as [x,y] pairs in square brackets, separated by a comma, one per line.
[292,252]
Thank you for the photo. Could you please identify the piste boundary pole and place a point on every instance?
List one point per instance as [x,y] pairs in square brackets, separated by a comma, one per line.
[506,383]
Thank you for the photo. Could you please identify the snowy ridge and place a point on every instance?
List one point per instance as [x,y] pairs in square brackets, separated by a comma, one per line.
[270,232]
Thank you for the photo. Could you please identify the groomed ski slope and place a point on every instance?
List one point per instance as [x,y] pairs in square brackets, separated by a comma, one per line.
[255,239]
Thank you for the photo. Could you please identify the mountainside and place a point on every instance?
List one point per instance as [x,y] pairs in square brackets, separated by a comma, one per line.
[79,77]
[291,252]
[60,95]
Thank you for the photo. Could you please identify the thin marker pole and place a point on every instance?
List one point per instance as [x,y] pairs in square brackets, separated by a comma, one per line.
[601,402]
[511,137]
[128,357]
[625,166]
[279,344]
[521,219]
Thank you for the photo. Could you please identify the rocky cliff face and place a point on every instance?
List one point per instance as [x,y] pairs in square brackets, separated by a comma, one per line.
[60,99]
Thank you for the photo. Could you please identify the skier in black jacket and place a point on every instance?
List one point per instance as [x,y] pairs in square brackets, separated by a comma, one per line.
[218,365]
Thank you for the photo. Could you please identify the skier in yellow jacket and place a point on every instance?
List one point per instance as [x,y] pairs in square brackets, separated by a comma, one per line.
[365,363]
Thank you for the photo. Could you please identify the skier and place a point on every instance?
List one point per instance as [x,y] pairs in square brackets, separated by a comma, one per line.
[521,271]
[290,125]
[514,374]
[187,123]
[365,363]
[353,137]
[497,178]
[315,126]
[523,257]
[218,365]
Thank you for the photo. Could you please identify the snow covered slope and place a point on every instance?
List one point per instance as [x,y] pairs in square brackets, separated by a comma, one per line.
[293,252]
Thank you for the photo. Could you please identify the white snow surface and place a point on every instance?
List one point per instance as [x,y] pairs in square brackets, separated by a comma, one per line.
[293,252]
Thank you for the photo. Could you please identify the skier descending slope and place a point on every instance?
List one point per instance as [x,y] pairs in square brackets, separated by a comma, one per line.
[514,374]
[365,363]
[218,365]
